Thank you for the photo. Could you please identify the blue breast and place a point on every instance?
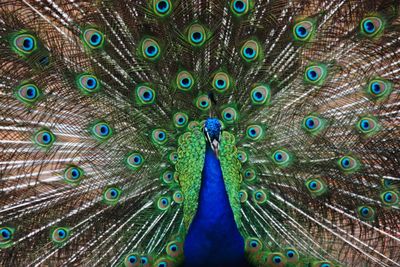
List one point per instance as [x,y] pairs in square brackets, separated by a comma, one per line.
[213,238]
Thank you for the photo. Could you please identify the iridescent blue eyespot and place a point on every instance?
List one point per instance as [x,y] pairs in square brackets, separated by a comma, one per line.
[197,37]
[93,38]
[24,44]
[162,6]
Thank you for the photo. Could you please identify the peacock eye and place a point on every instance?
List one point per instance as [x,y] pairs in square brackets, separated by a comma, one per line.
[162,8]
[260,94]
[196,35]
[366,213]
[177,197]
[303,30]
[164,262]
[323,264]
[315,74]
[203,102]
[150,49]
[174,249]
[292,255]
[167,176]
[367,126]
[6,236]
[88,84]
[243,196]
[229,115]
[253,244]
[379,89]
[184,81]
[390,198]
[316,186]
[145,95]
[24,44]
[221,82]
[371,26]
[254,132]
[313,124]
[93,38]
[240,7]
[44,138]
[73,175]
[348,164]
[281,157]
[260,197]
[101,131]
[249,175]
[180,119]
[28,94]
[134,160]
[111,195]
[159,136]
[242,156]
[276,259]
[250,50]
[173,157]
[163,203]
[60,234]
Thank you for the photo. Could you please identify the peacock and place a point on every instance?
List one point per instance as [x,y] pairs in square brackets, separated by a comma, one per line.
[200,133]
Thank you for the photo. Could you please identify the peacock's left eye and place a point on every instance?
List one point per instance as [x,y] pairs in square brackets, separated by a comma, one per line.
[260,94]
[28,93]
[150,49]
[44,138]
[24,43]
[260,197]
[366,213]
[93,38]
[180,119]
[159,136]
[250,50]
[253,244]
[315,74]
[243,196]
[88,84]
[249,175]
[371,26]
[60,235]
[145,95]
[163,203]
[162,8]
[73,174]
[390,198]
[303,30]
[197,35]
[111,195]
[203,102]
[101,131]
[184,81]
[292,255]
[316,186]
[281,158]
[177,197]
[348,164]
[221,82]
[254,132]
[134,160]
[229,115]
[240,7]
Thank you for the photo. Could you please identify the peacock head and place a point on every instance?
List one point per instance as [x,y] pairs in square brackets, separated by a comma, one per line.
[212,130]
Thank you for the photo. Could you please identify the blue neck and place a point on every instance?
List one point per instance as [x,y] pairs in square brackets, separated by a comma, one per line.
[213,238]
